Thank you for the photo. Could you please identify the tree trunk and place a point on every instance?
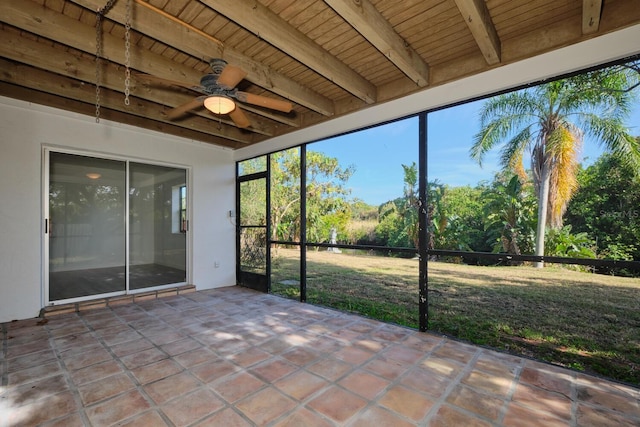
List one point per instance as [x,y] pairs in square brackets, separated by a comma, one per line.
[543,201]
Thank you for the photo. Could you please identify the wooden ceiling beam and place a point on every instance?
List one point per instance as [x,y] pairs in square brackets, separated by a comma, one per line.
[370,23]
[47,23]
[591,12]
[47,57]
[33,78]
[156,24]
[55,101]
[261,21]
[476,16]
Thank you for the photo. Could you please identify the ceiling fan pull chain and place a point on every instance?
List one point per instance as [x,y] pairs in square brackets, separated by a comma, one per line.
[127,49]
[100,13]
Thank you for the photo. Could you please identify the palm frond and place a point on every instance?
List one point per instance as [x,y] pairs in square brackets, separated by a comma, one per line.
[563,147]
[500,118]
[615,136]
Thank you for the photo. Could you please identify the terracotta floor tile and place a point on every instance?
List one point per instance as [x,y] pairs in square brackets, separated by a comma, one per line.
[195,357]
[618,402]
[425,381]
[87,358]
[330,369]
[120,336]
[15,350]
[588,416]
[301,384]
[370,345]
[279,363]
[95,372]
[192,407]
[403,354]
[33,391]
[424,342]
[548,380]
[444,367]
[380,417]
[107,387]
[265,406]
[337,404]
[156,371]
[37,412]
[30,360]
[238,386]
[479,403]
[148,419]
[130,347]
[554,403]
[306,418]
[498,364]
[34,374]
[453,350]
[406,402]
[117,409]
[449,417]
[214,370]
[72,329]
[391,333]
[300,356]
[387,368]
[493,384]
[353,355]
[180,346]
[518,416]
[171,387]
[273,369]
[364,384]
[249,357]
[73,420]
[224,418]
[275,346]
[144,357]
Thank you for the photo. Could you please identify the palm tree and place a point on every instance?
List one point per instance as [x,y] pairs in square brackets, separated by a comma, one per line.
[548,122]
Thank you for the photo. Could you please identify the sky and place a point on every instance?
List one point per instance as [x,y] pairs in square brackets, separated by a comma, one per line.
[379,153]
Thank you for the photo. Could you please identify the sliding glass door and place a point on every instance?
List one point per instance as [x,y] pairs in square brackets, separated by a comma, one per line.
[157,224]
[113,226]
[86,226]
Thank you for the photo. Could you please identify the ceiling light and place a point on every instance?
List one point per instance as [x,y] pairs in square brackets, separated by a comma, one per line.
[93,175]
[219,104]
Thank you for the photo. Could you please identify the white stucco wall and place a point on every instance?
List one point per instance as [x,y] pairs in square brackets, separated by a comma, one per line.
[599,50]
[25,128]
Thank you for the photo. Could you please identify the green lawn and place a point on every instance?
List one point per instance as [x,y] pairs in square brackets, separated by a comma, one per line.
[580,320]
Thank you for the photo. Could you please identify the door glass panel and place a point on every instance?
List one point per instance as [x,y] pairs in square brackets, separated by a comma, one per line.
[87,226]
[157,224]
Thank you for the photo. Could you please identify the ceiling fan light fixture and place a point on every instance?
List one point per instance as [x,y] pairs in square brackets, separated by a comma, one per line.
[219,104]
[93,175]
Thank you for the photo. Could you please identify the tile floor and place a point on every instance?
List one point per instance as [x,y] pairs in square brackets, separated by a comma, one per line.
[234,357]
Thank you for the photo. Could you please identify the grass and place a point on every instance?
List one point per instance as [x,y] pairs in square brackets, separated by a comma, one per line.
[579,320]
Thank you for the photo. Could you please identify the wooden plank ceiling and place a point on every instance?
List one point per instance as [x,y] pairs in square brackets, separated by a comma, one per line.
[326,57]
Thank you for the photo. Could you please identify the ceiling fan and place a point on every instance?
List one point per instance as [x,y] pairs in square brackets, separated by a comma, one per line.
[219,94]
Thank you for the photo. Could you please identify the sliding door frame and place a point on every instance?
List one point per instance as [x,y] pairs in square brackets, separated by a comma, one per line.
[45,222]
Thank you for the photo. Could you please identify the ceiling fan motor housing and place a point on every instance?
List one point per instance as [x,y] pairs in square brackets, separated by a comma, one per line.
[217,65]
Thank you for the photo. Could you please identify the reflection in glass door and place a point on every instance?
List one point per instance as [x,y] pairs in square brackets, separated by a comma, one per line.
[93,246]
[86,226]
[158,225]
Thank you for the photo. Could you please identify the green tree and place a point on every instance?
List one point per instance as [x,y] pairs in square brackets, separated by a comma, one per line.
[549,122]
[463,206]
[607,208]
[327,195]
[509,215]
[399,218]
